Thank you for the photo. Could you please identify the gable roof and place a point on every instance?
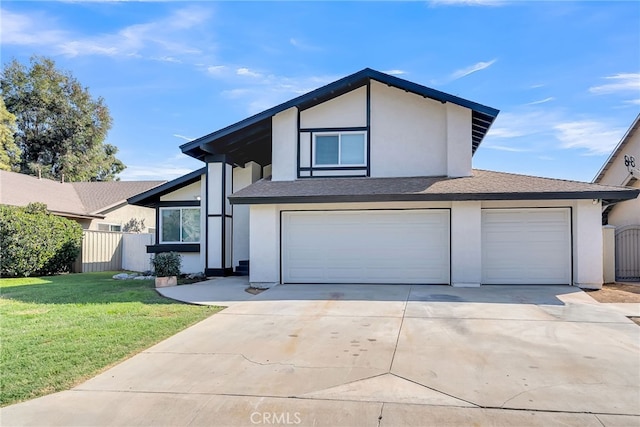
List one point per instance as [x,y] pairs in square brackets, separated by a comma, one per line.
[616,151]
[482,185]
[76,200]
[250,139]
[151,197]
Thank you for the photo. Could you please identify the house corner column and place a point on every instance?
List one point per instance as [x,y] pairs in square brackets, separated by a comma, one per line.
[587,244]
[466,244]
[219,216]
[264,245]
[609,253]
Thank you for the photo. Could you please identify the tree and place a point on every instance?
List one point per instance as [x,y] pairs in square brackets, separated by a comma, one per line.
[9,151]
[134,225]
[60,128]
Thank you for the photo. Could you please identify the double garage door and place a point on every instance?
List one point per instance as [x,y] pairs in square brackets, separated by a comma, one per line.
[413,246]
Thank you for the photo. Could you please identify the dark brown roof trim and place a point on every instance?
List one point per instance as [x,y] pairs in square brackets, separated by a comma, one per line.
[566,195]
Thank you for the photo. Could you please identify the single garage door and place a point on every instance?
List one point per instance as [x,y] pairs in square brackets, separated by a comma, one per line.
[382,246]
[526,246]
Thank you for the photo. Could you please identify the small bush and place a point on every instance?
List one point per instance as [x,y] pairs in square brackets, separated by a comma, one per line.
[167,264]
[35,242]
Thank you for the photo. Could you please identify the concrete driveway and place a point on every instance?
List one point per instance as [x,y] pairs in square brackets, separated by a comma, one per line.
[380,355]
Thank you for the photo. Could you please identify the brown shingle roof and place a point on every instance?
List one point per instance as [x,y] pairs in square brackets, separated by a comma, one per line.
[483,185]
[78,199]
[97,196]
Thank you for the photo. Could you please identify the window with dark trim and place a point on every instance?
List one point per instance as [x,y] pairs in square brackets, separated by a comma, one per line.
[339,149]
[179,225]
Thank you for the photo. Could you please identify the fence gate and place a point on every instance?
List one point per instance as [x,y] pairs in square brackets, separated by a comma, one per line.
[628,253]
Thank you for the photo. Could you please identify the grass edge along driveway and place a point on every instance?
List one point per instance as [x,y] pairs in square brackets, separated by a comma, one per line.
[58,331]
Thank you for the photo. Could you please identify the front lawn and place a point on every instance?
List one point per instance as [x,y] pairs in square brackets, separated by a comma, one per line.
[58,331]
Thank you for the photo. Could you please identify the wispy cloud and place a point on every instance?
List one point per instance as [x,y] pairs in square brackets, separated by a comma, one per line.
[552,129]
[247,72]
[506,148]
[29,30]
[186,138]
[167,169]
[542,101]
[395,72]
[523,123]
[216,70]
[467,2]
[458,74]
[623,82]
[595,137]
[163,40]
[303,45]
[262,90]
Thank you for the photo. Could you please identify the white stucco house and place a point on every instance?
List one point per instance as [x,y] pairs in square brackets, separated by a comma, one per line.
[623,168]
[369,180]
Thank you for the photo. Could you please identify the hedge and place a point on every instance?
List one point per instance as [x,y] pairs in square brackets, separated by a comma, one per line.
[35,242]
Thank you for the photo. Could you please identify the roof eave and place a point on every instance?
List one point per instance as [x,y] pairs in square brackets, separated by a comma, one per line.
[439,197]
[149,197]
[194,148]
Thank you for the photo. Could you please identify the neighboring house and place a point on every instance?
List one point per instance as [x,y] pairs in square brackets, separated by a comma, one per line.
[94,205]
[369,180]
[623,168]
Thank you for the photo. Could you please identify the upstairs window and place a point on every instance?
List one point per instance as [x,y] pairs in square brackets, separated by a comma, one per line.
[179,225]
[339,149]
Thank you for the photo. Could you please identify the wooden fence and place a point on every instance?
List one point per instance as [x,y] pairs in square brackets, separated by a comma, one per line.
[112,251]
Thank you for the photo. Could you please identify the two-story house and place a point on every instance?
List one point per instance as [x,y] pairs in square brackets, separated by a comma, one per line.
[369,180]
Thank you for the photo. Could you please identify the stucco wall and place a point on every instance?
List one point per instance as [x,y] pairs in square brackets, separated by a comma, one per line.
[348,110]
[190,263]
[122,215]
[242,177]
[284,145]
[190,192]
[628,212]
[408,134]
[465,236]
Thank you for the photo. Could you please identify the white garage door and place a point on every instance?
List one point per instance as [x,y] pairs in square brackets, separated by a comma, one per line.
[404,246]
[526,246]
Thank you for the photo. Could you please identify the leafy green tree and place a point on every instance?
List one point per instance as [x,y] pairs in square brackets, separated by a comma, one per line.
[61,128]
[9,151]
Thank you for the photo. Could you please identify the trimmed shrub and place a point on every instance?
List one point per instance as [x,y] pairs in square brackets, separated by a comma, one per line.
[167,264]
[35,242]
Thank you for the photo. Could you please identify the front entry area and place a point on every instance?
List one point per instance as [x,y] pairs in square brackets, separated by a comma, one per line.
[366,246]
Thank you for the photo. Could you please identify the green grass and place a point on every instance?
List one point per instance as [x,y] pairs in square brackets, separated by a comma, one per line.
[58,331]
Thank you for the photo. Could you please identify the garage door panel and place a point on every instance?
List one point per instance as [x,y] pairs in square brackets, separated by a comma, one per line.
[526,246]
[409,246]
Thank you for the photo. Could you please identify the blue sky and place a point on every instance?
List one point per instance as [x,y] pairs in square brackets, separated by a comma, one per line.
[565,75]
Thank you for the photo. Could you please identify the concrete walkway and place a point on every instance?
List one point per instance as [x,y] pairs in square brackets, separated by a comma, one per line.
[222,292]
[331,355]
